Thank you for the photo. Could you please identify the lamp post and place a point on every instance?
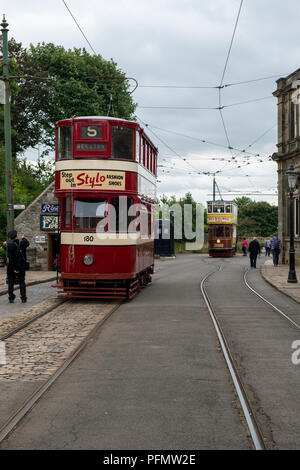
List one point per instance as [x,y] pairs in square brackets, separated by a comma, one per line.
[292,177]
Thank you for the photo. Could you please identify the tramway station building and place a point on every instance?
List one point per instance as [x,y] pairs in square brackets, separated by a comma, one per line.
[288,145]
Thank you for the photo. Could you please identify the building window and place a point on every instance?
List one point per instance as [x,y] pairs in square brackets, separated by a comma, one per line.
[294,120]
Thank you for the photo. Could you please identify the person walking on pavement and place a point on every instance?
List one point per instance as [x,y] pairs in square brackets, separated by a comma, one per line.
[267,247]
[244,247]
[275,247]
[254,250]
[16,254]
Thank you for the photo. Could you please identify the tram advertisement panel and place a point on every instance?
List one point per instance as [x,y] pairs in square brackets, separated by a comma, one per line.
[92,179]
[221,219]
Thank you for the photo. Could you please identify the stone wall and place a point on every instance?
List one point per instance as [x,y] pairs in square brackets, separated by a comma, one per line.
[28,224]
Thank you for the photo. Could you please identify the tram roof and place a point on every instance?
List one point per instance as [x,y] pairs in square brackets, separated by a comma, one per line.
[106,118]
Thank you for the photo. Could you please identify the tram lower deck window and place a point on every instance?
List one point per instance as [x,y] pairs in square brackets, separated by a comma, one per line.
[89,213]
[122,139]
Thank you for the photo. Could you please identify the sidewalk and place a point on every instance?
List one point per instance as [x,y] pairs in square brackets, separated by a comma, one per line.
[277,276]
[32,277]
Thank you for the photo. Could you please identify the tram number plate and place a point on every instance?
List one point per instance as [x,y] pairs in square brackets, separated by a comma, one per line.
[88,238]
[219,245]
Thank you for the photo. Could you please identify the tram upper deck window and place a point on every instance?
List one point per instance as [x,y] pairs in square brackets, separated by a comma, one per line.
[218,209]
[89,213]
[64,143]
[122,139]
[228,208]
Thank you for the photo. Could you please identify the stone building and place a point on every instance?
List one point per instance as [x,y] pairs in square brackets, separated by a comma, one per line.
[39,223]
[287,94]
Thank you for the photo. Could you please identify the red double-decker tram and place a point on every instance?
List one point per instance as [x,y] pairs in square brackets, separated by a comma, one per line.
[106,185]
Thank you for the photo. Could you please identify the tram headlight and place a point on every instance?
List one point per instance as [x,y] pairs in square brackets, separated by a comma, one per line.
[88,260]
[218,241]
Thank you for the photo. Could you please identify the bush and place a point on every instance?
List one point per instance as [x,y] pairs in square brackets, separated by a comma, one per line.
[2,252]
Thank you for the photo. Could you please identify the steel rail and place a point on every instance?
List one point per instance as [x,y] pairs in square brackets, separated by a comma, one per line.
[268,302]
[15,419]
[254,430]
[31,320]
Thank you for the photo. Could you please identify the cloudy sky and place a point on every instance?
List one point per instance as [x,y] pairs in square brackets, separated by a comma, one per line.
[177,50]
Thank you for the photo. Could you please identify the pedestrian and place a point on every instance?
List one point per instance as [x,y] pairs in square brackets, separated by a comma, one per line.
[268,247]
[254,250]
[275,248]
[16,267]
[244,247]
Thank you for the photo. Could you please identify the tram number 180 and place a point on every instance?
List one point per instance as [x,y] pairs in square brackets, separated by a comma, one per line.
[88,238]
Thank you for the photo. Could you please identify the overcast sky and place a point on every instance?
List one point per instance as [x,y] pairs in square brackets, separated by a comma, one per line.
[173,43]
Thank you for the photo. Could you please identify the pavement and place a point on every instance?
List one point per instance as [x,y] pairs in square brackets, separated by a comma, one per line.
[32,278]
[277,276]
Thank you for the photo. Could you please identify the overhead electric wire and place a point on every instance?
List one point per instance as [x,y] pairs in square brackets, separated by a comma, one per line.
[204,141]
[80,29]
[231,43]
[218,108]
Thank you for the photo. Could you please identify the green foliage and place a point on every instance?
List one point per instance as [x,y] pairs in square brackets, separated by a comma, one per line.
[256,218]
[29,181]
[50,83]
[2,252]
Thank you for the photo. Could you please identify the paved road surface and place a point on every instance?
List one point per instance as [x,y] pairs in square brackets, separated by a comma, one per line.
[262,343]
[153,379]
[35,295]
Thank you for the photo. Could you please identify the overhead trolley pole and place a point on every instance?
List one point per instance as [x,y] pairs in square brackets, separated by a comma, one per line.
[7,130]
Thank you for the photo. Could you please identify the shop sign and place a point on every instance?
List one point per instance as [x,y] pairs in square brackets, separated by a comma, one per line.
[49,222]
[50,208]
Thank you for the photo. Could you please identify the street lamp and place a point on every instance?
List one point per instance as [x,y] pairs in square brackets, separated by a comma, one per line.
[292,177]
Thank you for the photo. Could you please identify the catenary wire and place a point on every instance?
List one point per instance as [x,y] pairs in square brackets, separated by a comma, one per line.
[80,29]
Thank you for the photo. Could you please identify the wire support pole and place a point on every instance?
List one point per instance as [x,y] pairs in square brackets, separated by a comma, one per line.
[7,130]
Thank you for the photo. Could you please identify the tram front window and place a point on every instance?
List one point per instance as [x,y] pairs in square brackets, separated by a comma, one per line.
[122,142]
[89,213]
[219,232]
[218,209]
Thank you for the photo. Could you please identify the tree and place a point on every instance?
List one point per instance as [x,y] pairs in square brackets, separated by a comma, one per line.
[51,83]
[256,218]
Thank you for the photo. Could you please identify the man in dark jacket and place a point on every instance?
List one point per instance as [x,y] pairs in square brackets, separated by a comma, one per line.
[16,254]
[254,250]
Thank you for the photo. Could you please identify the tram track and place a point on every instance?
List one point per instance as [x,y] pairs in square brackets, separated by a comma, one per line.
[28,322]
[254,431]
[284,315]
[22,411]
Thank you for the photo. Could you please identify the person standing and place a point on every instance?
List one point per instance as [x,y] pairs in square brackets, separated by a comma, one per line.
[16,254]
[275,247]
[254,250]
[267,247]
[244,247]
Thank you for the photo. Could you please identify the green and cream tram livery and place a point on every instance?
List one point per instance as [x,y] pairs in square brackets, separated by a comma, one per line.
[222,221]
